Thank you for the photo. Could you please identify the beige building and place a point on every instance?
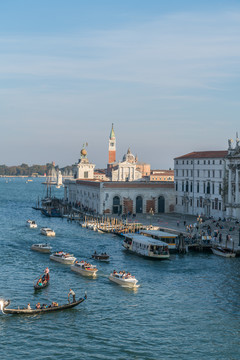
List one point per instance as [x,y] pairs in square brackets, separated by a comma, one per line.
[161,175]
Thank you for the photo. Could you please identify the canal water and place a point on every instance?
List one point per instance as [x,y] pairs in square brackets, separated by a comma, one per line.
[186,308]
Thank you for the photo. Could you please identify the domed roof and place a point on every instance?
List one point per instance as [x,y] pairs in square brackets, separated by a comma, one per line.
[129,157]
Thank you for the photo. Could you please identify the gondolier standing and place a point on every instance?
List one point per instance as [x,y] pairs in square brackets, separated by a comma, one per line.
[71,292]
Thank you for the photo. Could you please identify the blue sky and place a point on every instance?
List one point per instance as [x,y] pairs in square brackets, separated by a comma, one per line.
[166,73]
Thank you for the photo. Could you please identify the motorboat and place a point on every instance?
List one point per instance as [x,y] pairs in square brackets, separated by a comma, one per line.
[223,252]
[124,279]
[44,248]
[84,268]
[31,224]
[63,258]
[47,232]
[100,257]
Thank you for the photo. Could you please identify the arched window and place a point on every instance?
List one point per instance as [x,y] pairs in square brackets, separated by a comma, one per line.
[116,205]
[139,204]
[161,204]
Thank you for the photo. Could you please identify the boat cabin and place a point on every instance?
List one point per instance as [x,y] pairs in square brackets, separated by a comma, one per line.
[170,239]
[145,246]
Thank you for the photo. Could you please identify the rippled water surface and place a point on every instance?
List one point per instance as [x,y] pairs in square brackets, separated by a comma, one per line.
[186,308]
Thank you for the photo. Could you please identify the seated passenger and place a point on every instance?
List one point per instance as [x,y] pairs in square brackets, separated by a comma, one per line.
[38,305]
[29,306]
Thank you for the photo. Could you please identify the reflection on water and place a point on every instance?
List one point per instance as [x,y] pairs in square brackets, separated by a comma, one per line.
[185,308]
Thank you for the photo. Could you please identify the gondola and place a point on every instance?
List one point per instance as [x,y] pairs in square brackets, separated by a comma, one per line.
[37,287]
[40,311]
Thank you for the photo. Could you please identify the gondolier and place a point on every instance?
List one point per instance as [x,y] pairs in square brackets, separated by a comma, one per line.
[71,292]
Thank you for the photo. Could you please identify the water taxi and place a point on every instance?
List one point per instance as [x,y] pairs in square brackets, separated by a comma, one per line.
[145,246]
[84,268]
[100,257]
[63,258]
[44,248]
[223,252]
[47,232]
[31,224]
[170,239]
[124,279]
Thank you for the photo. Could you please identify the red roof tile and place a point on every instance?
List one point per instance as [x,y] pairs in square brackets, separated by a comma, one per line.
[203,155]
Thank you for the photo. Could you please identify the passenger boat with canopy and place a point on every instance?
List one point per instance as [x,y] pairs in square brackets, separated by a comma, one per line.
[146,247]
[170,239]
[63,258]
[26,311]
[84,268]
[124,279]
[44,248]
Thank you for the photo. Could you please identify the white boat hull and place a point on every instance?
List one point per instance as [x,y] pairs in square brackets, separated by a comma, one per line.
[124,283]
[84,272]
[223,254]
[65,261]
[41,249]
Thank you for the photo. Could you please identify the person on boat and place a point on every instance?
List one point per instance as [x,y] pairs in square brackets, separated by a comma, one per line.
[29,307]
[39,283]
[38,305]
[71,292]
[44,306]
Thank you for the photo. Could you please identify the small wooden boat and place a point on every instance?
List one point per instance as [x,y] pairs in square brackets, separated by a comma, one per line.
[39,311]
[39,287]
[223,252]
[101,257]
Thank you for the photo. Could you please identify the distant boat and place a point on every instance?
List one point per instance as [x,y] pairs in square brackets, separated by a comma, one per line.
[223,252]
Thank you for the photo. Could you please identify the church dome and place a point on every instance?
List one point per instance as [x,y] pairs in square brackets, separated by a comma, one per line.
[129,157]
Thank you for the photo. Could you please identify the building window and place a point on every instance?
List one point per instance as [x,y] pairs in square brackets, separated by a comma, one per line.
[85,175]
[197,203]
[213,173]
[176,200]
[219,206]
[213,188]
[208,162]
[220,189]
[191,173]
[176,162]
[198,173]
[198,162]
[209,173]
[191,162]
[220,173]
[213,162]
[208,187]
[220,162]
[186,186]
[183,173]
[204,162]
[198,187]
[187,162]
[176,172]
[204,188]
[182,185]
[191,187]
[176,186]
[187,172]
[183,162]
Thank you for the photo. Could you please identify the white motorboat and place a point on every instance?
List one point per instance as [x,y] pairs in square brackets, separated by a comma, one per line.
[44,248]
[124,279]
[63,258]
[31,224]
[223,252]
[84,268]
[47,232]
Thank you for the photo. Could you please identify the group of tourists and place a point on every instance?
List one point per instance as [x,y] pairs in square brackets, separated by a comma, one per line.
[43,280]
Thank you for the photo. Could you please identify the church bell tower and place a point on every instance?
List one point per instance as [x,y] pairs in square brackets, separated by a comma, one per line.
[112,147]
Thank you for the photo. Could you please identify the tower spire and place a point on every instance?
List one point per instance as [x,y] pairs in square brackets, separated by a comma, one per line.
[112,147]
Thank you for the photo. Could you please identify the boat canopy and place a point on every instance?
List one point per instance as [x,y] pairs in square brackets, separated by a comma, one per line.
[158,234]
[141,239]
